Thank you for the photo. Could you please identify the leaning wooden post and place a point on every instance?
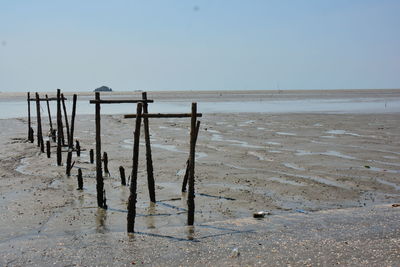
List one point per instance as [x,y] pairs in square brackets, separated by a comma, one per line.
[66,117]
[80,180]
[105,161]
[78,148]
[99,174]
[133,196]
[59,128]
[185,178]
[71,135]
[190,200]
[30,130]
[48,111]
[39,121]
[149,160]
[48,148]
[122,174]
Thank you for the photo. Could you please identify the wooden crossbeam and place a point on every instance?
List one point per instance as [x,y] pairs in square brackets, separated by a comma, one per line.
[118,101]
[46,99]
[165,115]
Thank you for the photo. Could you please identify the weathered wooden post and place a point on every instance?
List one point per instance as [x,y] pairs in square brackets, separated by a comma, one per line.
[99,173]
[149,160]
[122,174]
[91,155]
[105,161]
[30,130]
[78,148]
[66,117]
[133,195]
[185,178]
[71,135]
[80,180]
[48,111]
[48,148]
[59,128]
[69,160]
[39,122]
[190,200]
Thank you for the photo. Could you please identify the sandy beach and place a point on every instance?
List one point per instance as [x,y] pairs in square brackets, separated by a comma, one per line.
[328,180]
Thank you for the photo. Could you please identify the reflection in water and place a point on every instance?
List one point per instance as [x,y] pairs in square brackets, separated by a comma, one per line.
[101,218]
[190,232]
[150,220]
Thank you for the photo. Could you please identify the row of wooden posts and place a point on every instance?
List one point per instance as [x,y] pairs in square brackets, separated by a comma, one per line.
[141,114]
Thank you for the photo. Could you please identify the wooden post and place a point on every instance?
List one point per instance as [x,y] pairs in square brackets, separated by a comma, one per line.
[48,111]
[39,122]
[80,180]
[185,178]
[30,130]
[190,200]
[71,135]
[78,148]
[133,195]
[59,128]
[105,161]
[149,160]
[48,148]
[69,159]
[99,174]
[91,154]
[122,173]
[66,117]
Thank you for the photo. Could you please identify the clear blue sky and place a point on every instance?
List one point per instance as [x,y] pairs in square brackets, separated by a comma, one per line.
[199,45]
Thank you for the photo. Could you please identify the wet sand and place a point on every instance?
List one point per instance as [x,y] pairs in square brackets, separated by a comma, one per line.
[305,169]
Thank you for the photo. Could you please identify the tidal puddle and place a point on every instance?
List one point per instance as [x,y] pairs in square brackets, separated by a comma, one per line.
[273,143]
[395,186]
[293,166]
[285,133]
[24,164]
[339,132]
[327,153]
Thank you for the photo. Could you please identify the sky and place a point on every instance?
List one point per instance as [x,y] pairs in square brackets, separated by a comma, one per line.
[158,45]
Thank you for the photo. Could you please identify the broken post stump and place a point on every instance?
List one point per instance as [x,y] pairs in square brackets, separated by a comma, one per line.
[185,178]
[122,174]
[66,119]
[80,179]
[149,160]
[69,159]
[48,148]
[91,155]
[190,200]
[105,162]
[132,188]
[78,148]
[59,128]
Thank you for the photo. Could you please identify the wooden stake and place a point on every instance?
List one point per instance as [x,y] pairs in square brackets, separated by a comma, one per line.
[48,111]
[185,178]
[80,179]
[190,201]
[39,121]
[48,148]
[69,159]
[105,161]
[149,160]
[30,130]
[99,173]
[71,135]
[133,195]
[59,128]
[122,173]
[66,118]
[91,154]
[78,148]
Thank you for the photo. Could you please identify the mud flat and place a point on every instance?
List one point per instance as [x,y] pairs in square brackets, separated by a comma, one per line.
[329,180]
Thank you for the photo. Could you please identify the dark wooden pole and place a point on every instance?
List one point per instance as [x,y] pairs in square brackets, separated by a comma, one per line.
[39,121]
[99,174]
[78,148]
[105,162]
[48,111]
[91,154]
[59,128]
[122,173]
[80,179]
[71,135]
[190,200]
[133,195]
[69,160]
[185,178]
[66,118]
[48,149]
[30,130]
[149,160]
